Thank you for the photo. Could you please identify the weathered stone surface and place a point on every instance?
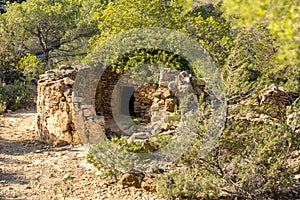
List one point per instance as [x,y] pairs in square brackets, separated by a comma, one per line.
[104,91]
[167,94]
[170,104]
[54,121]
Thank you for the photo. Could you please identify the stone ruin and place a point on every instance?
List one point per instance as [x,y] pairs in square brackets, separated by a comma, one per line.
[57,107]
[55,124]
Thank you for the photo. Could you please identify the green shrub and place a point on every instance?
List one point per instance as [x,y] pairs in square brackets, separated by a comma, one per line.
[2,107]
[135,121]
[175,118]
[93,157]
[98,164]
[31,67]
[16,95]
[249,161]
[136,147]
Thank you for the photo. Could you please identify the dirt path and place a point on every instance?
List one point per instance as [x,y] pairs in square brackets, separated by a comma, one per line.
[32,170]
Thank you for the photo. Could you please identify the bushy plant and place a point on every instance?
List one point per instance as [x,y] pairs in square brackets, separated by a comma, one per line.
[249,161]
[2,106]
[98,164]
[130,146]
[31,67]
[16,95]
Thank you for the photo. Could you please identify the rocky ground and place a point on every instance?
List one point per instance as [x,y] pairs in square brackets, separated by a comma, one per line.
[32,170]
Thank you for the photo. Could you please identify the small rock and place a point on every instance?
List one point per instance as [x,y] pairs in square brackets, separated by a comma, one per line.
[50,72]
[63,67]
[37,162]
[167,94]
[60,143]
[27,187]
[157,95]
[139,136]
[132,180]
[149,186]
[169,132]
[170,104]
[165,126]
[67,177]
[38,151]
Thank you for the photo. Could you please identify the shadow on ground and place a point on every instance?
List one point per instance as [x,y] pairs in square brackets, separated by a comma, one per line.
[7,177]
[16,147]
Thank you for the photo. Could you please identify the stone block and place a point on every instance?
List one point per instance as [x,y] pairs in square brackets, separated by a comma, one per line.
[167,94]
[170,104]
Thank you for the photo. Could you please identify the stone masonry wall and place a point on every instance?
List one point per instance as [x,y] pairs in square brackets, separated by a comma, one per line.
[55,123]
[54,106]
[55,111]
[104,93]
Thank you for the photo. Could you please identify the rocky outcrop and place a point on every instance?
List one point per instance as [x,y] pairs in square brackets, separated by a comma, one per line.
[275,99]
[274,103]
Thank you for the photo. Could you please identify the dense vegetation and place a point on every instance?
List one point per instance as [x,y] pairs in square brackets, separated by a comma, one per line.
[253,43]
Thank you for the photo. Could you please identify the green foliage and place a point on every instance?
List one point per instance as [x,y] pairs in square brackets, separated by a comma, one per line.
[135,121]
[158,141]
[98,164]
[175,118]
[249,62]
[2,106]
[149,56]
[91,158]
[35,35]
[249,161]
[206,25]
[155,142]
[51,29]
[13,96]
[250,65]
[31,67]
[136,147]
[280,18]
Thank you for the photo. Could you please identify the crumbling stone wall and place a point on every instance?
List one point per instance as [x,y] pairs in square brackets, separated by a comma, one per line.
[55,123]
[143,99]
[55,106]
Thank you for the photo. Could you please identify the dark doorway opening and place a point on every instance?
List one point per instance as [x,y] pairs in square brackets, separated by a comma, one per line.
[127,100]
